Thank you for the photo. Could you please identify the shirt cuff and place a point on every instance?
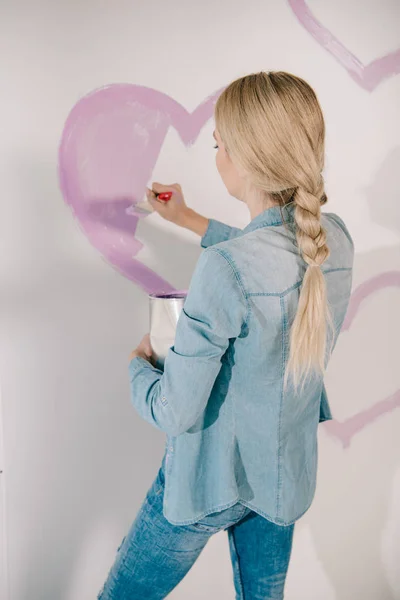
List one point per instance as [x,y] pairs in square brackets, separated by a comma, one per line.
[213,233]
[138,362]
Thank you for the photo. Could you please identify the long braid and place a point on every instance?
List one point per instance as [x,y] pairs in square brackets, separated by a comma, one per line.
[311,236]
[309,329]
[274,128]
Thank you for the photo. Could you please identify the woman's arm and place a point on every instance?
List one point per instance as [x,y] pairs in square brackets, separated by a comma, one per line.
[195,222]
[214,312]
[177,211]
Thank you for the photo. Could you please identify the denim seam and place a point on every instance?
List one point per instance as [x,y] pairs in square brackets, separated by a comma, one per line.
[333,270]
[275,520]
[266,224]
[276,294]
[239,573]
[243,513]
[296,285]
[217,508]
[168,469]
[238,278]
[279,474]
[217,528]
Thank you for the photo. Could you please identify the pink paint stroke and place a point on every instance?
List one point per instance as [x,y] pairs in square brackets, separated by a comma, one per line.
[365,289]
[346,430]
[111,141]
[367,76]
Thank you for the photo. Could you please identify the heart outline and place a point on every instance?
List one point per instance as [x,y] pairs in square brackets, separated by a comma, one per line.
[367,76]
[112,213]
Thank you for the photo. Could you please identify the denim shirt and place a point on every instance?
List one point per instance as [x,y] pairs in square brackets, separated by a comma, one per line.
[234,432]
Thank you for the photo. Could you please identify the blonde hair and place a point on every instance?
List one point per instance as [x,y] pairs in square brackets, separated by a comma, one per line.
[273,128]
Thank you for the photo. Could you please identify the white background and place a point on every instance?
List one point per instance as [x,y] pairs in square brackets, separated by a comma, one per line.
[78,460]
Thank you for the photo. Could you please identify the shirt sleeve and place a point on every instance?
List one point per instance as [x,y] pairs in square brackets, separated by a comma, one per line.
[214,311]
[217,232]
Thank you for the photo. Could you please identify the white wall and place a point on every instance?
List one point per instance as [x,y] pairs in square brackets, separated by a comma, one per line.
[78,460]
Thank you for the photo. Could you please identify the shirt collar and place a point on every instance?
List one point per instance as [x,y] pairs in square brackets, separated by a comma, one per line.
[272,217]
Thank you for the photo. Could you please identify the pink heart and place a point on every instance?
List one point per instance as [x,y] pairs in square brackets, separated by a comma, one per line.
[109,146]
[367,76]
[346,430]
[110,143]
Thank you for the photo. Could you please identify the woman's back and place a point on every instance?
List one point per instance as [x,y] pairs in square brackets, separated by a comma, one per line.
[256,440]
[242,390]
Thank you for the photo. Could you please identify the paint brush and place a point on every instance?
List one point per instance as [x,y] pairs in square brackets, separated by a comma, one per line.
[145,207]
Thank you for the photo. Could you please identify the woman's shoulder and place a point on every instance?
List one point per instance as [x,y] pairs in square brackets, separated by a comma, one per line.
[337,223]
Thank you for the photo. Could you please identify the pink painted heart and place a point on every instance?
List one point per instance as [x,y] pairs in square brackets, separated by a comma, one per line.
[109,146]
[110,143]
[367,76]
[346,430]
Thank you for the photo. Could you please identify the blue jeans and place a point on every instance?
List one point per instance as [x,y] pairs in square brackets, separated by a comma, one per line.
[155,555]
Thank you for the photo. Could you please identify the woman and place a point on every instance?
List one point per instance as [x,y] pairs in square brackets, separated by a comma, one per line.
[242,391]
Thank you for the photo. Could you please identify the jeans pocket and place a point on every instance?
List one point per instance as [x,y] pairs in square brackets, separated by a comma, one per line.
[204,528]
[220,521]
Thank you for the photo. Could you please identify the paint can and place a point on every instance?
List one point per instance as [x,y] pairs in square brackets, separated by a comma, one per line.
[164,311]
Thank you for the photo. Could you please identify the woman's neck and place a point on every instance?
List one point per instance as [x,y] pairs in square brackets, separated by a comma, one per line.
[257,204]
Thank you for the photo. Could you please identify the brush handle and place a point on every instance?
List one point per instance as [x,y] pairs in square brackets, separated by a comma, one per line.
[163,196]
[145,207]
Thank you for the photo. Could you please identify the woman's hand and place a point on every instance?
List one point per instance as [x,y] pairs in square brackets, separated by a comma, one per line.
[175,209]
[144,350]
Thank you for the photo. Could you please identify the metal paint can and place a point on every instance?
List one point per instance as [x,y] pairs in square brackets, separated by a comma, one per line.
[164,311]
